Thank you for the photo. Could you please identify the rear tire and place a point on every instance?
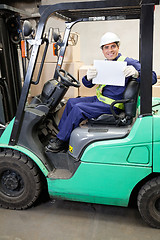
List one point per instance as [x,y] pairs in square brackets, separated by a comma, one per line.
[20,183]
[149,202]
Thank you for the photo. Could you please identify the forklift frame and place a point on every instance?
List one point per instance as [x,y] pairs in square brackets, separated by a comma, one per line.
[91,11]
[108,166]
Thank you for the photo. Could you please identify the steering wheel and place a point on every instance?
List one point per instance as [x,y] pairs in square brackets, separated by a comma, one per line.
[67,78]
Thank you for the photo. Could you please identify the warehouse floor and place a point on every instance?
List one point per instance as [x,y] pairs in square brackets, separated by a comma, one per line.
[65,220]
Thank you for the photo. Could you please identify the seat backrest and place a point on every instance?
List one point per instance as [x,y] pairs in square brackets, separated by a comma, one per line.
[130,98]
[131,92]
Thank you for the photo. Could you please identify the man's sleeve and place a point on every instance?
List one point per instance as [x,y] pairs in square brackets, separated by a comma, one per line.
[137,65]
[87,83]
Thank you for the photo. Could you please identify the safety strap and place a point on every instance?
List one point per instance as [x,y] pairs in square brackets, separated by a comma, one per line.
[106,99]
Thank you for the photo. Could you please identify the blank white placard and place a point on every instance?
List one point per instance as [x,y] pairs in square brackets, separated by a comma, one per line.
[109,72]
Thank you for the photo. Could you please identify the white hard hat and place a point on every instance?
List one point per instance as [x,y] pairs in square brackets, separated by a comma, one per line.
[109,37]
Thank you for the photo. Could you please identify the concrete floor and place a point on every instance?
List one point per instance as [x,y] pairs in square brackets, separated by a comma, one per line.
[65,220]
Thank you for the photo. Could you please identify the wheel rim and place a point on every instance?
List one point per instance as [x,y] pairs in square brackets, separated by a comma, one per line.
[157,205]
[11,183]
[154,208]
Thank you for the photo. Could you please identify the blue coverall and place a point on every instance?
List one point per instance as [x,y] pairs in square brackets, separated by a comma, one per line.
[79,109]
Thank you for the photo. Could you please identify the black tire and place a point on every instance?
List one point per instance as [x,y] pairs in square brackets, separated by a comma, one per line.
[149,202]
[20,183]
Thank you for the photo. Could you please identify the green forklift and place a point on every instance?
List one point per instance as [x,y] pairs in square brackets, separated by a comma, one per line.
[114,159]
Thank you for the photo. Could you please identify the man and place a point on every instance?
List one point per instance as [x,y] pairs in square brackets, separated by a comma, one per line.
[79,109]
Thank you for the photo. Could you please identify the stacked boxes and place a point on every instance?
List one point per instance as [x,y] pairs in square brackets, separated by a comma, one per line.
[71,64]
[47,74]
[83,91]
[156,88]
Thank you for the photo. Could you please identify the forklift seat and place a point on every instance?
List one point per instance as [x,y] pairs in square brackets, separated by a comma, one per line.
[129,100]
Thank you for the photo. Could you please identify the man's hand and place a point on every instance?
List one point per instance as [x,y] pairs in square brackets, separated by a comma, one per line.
[130,71]
[91,73]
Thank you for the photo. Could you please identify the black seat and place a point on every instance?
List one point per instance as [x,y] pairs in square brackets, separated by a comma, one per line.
[129,100]
[47,91]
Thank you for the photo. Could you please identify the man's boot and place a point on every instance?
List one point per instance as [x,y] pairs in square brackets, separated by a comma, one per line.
[56,145]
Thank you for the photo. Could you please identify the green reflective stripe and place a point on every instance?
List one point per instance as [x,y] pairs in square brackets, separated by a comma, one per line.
[121,59]
[106,99]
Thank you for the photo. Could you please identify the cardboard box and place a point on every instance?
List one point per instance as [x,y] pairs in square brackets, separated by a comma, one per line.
[72,53]
[29,99]
[158,81]
[156,90]
[48,73]
[84,91]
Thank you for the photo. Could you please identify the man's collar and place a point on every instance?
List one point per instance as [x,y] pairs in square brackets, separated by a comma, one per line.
[119,54]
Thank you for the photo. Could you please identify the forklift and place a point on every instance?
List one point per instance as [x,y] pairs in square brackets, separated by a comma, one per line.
[112,160]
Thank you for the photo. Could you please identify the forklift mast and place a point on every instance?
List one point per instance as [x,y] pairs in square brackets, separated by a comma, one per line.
[10,77]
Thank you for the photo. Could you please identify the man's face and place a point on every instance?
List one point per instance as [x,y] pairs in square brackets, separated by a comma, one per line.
[110,51]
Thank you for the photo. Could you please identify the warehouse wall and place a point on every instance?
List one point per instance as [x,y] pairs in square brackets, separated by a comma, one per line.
[156,45]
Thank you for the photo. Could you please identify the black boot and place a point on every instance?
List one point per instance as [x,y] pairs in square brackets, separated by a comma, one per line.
[56,145]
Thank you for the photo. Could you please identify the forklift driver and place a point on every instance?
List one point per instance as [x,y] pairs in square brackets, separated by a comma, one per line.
[79,109]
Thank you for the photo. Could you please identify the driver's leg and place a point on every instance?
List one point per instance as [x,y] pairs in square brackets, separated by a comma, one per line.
[79,112]
[70,104]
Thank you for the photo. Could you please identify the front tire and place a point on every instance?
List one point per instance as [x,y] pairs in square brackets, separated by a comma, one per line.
[149,202]
[20,183]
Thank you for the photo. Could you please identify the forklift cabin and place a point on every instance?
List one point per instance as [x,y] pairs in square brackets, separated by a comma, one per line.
[110,159]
